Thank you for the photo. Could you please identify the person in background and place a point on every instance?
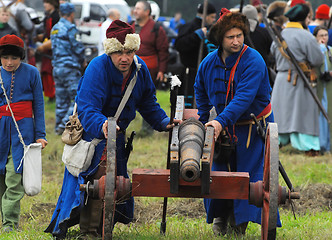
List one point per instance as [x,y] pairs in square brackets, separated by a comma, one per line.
[176,22]
[188,44]
[258,37]
[322,16]
[98,97]
[275,12]
[113,14]
[153,49]
[154,43]
[234,80]
[5,28]
[68,62]
[295,110]
[51,18]
[23,87]
[24,23]
[324,88]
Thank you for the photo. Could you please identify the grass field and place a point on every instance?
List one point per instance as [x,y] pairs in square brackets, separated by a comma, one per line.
[186,217]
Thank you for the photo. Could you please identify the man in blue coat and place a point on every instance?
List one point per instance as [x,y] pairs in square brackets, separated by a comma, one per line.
[234,80]
[99,94]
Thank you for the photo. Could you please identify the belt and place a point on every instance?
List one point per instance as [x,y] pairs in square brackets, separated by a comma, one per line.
[20,109]
[262,116]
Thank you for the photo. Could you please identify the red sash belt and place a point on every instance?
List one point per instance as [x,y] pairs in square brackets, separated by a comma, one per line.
[20,109]
[150,61]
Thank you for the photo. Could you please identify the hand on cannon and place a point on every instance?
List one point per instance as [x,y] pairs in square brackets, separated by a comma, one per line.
[105,128]
[217,128]
[173,123]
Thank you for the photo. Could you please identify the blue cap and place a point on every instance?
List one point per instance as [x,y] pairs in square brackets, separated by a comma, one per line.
[67,8]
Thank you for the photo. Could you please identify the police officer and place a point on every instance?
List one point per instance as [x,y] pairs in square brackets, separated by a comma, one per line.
[68,59]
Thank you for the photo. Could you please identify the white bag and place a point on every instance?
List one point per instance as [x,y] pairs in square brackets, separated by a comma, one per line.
[77,158]
[32,169]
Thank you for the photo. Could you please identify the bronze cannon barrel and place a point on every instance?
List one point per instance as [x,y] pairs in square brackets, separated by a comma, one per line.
[191,143]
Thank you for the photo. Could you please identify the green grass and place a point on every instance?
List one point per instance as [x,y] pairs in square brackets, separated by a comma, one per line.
[182,223]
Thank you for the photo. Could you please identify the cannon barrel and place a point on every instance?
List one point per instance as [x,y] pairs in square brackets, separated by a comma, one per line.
[191,143]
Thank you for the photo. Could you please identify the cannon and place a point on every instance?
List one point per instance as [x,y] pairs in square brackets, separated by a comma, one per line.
[190,175]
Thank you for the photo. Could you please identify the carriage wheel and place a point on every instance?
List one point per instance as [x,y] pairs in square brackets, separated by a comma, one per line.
[110,182]
[270,183]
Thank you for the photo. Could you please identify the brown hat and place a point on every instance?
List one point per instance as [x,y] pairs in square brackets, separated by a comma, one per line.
[276,11]
[226,22]
[120,36]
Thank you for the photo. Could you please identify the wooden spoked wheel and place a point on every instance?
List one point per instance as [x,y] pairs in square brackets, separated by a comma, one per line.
[270,183]
[110,182]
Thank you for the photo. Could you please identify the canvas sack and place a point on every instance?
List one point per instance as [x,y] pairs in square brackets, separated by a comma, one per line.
[32,169]
[77,158]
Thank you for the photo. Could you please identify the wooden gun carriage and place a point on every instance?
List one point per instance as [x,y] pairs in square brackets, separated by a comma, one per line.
[190,176]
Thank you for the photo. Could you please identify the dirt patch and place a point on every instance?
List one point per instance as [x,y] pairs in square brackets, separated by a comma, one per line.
[314,197]
[189,208]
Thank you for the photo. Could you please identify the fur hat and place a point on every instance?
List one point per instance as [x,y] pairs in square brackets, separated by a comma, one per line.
[298,13]
[12,45]
[322,12]
[210,9]
[120,36]
[276,11]
[226,22]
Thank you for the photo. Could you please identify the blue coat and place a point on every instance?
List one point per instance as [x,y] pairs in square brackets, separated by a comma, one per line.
[251,95]
[27,87]
[98,96]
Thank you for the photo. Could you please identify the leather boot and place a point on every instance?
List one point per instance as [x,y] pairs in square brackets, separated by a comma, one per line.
[91,217]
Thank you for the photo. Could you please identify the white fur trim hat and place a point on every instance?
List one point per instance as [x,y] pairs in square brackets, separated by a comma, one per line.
[120,36]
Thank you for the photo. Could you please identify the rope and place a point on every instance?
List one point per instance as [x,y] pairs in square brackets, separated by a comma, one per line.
[16,125]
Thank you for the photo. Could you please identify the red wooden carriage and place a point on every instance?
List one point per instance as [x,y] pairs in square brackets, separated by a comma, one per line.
[267,194]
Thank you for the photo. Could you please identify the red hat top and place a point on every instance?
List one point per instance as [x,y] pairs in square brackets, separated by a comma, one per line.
[223,12]
[322,12]
[120,36]
[11,40]
[119,30]
[295,2]
[256,2]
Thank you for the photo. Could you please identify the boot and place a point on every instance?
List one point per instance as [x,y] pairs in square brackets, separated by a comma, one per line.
[91,218]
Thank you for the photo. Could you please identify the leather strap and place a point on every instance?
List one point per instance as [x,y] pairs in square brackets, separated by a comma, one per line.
[128,90]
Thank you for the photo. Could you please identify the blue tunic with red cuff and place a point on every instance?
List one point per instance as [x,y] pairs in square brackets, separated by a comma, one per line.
[250,93]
